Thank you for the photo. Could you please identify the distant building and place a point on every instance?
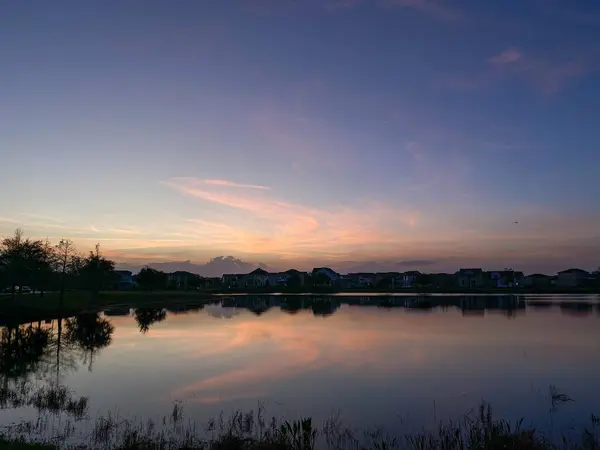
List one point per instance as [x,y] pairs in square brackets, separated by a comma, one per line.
[470,278]
[332,276]
[361,280]
[573,278]
[407,279]
[183,280]
[505,278]
[537,280]
[124,280]
[233,280]
[257,279]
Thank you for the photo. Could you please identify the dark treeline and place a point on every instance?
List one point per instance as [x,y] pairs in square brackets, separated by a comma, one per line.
[39,265]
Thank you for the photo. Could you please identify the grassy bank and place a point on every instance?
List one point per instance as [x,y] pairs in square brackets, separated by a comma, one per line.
[33,307]
[252,431]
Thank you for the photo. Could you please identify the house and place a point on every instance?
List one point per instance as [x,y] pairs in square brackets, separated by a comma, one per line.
[293,273]
[407,279]
[361,280]
[181,279]
[124,280]
[324,276]
[470,278]
[573,278]
[257,279]
[233,280]
[442,280]
[505,278]
[537,280]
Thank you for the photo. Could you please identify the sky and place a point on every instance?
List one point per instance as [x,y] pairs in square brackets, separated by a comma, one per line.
[355,134]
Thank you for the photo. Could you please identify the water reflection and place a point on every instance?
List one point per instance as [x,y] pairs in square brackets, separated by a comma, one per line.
[361,354]
[145,317]
[90,333]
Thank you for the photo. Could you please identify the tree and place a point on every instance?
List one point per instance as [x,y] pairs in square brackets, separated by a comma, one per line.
[294,282]
[24,261]
[97,271]
[150,279]
[423,280]
[66,263]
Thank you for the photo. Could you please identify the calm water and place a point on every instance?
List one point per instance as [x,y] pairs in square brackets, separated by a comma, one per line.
[396,362]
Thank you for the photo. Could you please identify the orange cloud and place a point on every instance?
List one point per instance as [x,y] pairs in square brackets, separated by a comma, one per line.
[272,226]
[235,185]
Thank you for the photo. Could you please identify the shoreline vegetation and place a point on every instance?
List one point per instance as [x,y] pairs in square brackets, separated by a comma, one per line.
[478,430]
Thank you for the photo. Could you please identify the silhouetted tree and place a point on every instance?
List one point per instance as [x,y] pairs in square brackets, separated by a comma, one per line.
[145,317]
[67,264]
[89,333]
[150,279]
[24,261]
[294,282]
[423,281]
[385,283]
[97,271]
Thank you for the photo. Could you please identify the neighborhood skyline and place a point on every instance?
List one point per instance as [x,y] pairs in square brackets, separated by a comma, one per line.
[346,133]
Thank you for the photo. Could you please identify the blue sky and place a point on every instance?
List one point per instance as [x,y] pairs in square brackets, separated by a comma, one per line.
[299,133]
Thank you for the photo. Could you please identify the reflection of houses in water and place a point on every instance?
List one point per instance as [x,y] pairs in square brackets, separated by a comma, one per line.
[540,304]
[115,312]
[576,308]
[472,305]
[324,306]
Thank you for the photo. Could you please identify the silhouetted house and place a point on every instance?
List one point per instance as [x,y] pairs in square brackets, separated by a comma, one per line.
[407,279]
[504,278]
[233,280]
[325,273]
[181,279]
[443,280]
[573,278]
[292,273]
[470,278]
[329,273]
[537,280]
[211,282]
[257,279]
[124,280]
[361,280]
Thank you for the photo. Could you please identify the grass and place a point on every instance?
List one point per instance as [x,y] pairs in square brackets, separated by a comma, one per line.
[252,431]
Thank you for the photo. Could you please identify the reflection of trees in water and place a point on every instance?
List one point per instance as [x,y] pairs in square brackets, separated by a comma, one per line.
[89,333]
[146,317]
[26,350]
[21,350]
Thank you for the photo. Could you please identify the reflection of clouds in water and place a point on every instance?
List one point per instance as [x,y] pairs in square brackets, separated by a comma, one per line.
[219,312]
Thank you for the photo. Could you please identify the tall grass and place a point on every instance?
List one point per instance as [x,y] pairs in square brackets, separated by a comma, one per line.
[253,431]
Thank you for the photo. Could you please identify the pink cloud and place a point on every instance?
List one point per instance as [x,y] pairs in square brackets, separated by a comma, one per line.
[510,55]
[253,222]
[232,184]
[548,77]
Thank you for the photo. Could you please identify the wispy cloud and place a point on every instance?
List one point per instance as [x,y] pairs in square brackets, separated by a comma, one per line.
[233,184]
[510,55]
[543,75]
[254,222]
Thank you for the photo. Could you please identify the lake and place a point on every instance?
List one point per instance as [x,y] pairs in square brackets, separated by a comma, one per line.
[399,362]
